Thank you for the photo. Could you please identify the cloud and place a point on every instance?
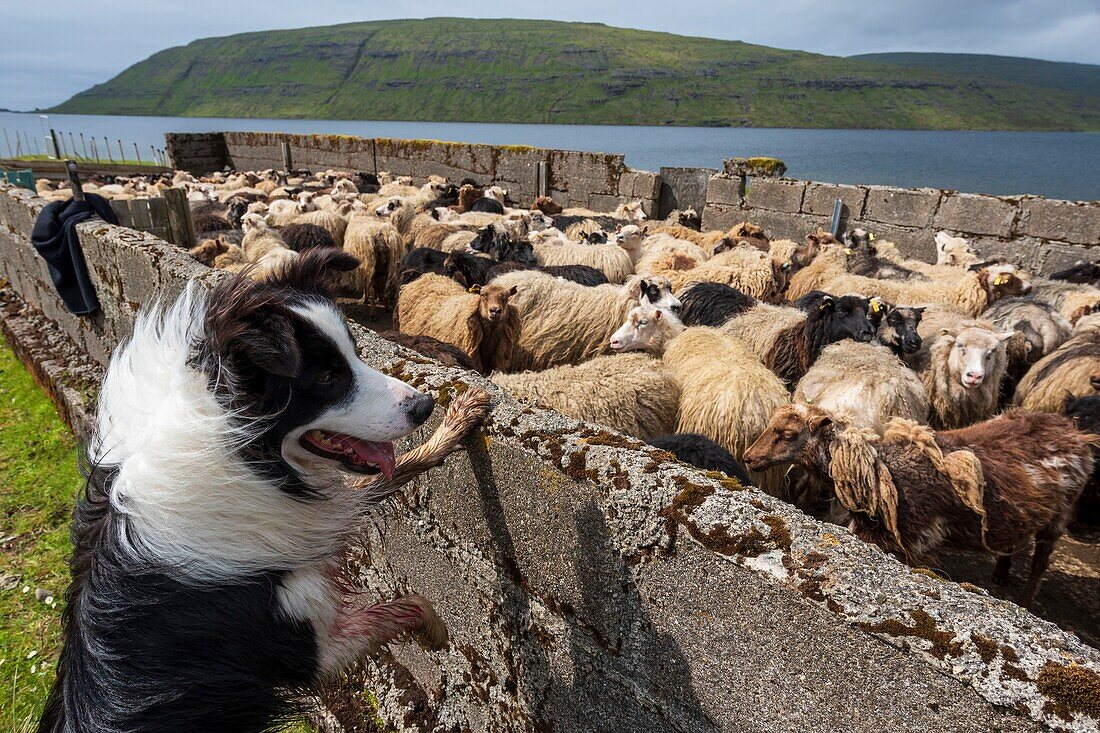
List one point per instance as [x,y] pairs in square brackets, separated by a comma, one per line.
[54,50]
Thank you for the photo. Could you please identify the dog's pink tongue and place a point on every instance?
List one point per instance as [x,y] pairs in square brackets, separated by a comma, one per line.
[380,454]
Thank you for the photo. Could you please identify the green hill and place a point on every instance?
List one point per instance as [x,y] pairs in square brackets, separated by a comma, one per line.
[1079,78]
[450,69]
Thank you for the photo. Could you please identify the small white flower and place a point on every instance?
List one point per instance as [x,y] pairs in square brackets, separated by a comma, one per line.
[32,654]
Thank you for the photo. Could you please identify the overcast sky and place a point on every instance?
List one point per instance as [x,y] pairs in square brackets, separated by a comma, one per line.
[51,50]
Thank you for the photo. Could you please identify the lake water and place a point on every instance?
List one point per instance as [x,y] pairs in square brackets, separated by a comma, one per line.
[1054,164]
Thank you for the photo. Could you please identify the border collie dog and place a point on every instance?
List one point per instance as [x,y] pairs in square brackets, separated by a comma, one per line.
[239,438]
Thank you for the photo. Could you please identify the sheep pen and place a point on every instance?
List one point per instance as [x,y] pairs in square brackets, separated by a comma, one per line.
[420,221]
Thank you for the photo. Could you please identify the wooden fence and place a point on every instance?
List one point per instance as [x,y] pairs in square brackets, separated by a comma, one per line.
[167,217]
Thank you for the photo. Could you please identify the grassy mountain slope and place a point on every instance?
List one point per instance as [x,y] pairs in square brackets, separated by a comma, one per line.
[449,69]
[1074,78]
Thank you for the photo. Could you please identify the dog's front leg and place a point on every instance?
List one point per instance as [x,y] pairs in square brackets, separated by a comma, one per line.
[358,631]
[463,415]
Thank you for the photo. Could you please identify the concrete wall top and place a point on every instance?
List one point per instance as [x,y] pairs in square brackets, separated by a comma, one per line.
[600,181]
[1041,235]
[591,584]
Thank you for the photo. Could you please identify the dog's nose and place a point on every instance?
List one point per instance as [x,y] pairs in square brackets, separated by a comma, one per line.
[420,408]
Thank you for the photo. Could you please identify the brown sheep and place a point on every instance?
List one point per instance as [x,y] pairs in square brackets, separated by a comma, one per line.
[1068,371]
[483,325]
[991,487]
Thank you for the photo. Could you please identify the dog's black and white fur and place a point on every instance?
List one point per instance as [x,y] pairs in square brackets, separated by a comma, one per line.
[221,493]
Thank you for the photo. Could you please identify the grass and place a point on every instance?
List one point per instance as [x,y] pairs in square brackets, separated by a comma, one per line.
[90,161]
[38,486]
[465,70]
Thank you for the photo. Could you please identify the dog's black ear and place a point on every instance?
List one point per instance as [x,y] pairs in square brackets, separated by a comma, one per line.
[269,343]
[315,270]
[247,320]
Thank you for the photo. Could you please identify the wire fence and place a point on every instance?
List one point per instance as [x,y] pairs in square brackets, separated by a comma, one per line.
[62,144]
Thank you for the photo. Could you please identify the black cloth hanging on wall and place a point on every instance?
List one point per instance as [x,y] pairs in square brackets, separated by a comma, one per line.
[55,238]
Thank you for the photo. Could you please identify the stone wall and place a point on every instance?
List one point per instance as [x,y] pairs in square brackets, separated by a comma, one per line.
[592,585]
[1040,234]
[596,180]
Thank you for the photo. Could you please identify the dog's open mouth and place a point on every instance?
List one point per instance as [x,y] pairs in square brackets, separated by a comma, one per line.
[359,456]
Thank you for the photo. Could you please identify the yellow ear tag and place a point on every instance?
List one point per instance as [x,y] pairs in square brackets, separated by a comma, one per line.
[876,306]
[871,236]
[848,251]
[475,289]
[1000,280]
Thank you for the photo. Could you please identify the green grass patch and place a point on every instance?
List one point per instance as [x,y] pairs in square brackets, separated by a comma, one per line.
[39,483]
[93,161]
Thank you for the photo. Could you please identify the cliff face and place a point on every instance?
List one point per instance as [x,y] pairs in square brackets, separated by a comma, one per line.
[450,69]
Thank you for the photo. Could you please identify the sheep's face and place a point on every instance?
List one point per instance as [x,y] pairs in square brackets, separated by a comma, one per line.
[899,327]
[493,303]
[976,354]
[954,251]
[538,221]
[630,238]
[844,318]
[597,237]
[656,291]
[391,205]
[252,222]
[496,193]
[689,218]
[794,435]
[1004,281]
[644,330]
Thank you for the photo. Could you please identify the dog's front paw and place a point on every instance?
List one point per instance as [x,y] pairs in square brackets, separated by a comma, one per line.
[432,632]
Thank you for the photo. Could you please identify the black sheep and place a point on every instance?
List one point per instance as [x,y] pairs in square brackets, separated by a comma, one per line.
[896,326]
[1082,273]
[207,221]
[300,237]
[487,205]
[712,304]
[580,274]
[863,259]
[497,244]
[467,269]
[1085,412]
[702,452]
[444,353]
[420,261]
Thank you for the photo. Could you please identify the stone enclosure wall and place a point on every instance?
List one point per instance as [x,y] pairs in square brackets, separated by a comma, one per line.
[1039,234]
[590,584]
[596,180]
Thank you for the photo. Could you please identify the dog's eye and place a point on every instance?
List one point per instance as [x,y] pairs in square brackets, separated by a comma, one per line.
[325,377]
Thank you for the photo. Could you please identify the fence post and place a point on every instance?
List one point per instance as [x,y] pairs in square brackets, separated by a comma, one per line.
[542,185]
[287,161]
[7,142]
[72,146]
[121,153]
[95,152]
[107,149]
[84,146]
[179,218]
[56,148]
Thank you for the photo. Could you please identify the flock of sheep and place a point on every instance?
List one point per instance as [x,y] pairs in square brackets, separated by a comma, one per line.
[927,406]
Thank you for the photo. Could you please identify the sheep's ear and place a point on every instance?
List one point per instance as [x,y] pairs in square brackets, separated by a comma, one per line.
[827,303]
[1005,336]
[514,289]
[920,309]
[817,421]
[657,315]
[645,229]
